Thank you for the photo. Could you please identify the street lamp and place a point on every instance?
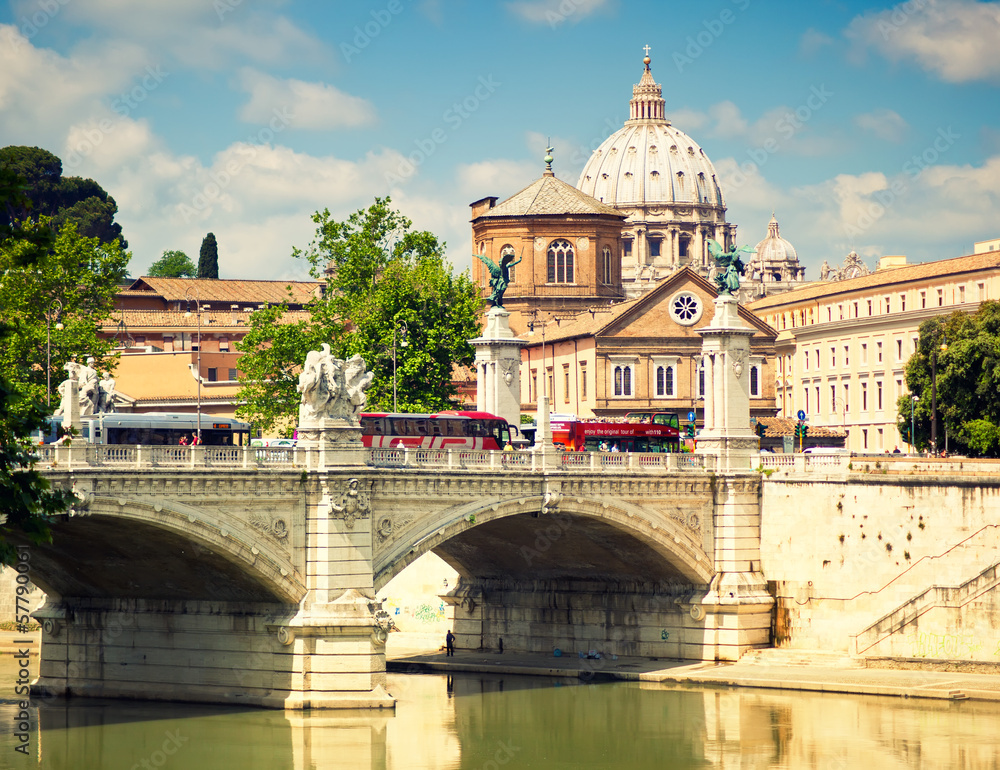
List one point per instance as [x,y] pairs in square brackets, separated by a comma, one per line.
[53,311]
[197,305]
[402,343]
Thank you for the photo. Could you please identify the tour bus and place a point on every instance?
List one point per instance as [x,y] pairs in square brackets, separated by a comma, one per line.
[152,429]
[639,435]
[447,429]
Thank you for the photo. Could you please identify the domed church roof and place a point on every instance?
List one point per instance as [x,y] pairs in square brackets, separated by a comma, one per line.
[649,161]
[774,248]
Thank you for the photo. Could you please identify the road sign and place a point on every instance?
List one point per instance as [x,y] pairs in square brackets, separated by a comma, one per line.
[801,415]
[691,416]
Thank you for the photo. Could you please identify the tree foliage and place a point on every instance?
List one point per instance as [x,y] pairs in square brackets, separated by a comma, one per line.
[965,351]
[74,283]
[383,278]
[173,264]
[208,260]
[26,499]
[65,199]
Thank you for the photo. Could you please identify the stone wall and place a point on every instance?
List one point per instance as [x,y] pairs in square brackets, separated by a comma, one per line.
[885,565]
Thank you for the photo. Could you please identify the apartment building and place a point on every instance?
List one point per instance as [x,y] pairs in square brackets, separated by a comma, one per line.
[842,346]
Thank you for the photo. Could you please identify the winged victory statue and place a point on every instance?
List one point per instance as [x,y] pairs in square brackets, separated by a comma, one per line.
[499,276]
[730,266]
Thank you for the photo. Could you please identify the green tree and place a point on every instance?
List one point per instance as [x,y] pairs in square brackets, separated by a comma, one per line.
[76,279]
[173,264]
[26,499]
[208,260]
[382,277]
[65,199]
[965,352]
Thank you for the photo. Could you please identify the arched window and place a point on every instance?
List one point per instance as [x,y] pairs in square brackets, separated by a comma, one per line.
[508,250]
[664,380]
[623,380]
[606,253]
[560,262]
[754,381]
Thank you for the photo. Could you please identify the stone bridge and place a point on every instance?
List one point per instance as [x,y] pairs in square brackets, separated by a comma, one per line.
[243,575]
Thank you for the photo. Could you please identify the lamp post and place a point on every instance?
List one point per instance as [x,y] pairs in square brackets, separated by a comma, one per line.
[52,312]
[197,305]
[402,343]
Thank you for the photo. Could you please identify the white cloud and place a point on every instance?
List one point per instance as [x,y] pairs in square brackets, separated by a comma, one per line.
[883,123]
[316,106]
[556,12]
[499,177]
[813,41]
[955,39]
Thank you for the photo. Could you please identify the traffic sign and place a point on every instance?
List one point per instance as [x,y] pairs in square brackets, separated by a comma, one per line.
[691,416]
[801,415]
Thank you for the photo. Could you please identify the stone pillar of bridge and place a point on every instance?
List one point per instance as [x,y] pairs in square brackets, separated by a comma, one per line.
[498,368]
[330,442]
[736,610]
[336,639]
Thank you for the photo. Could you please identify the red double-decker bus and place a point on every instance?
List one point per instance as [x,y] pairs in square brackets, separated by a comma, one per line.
[443,430]
[638,432]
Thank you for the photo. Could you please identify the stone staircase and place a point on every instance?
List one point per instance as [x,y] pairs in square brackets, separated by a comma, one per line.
[787,656]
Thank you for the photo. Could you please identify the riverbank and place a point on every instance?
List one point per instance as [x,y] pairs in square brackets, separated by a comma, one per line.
[905,683]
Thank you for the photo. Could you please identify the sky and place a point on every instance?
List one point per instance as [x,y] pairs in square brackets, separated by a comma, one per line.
[862,126]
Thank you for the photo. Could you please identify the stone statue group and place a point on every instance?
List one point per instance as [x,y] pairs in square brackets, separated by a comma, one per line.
[332,388]
[95,393]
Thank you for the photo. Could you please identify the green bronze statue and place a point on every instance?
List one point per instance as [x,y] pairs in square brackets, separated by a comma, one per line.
[730,264]
[499,276]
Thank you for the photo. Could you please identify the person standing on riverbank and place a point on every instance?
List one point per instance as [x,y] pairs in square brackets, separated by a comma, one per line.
[449,644]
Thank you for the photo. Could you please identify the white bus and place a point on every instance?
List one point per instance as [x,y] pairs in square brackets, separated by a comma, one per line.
[153,429]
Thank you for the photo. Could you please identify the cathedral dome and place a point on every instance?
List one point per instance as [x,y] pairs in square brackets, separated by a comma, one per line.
[776,259]
[648,161]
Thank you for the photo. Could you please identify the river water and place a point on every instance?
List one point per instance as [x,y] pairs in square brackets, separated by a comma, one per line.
[488,722]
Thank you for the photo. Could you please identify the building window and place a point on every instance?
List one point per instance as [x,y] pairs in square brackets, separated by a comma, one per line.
[940,293]
[841,309]
[506,251]
[560,262]
[233,375]
[552,384]
[864,353]
[864,396]
[755,381]
[869,307]
[856,314]
[981,291]
[961,295]
[533,386]
[829,314]
[881,439]
[213,375]
[864,438]
[902,302]
[805,355]
[623,380]
[223,345]
[923,299]
[847,355]
[878,400]
[606,253]
[654,246]
[806,410]
[665,381]
[566,383]
[899,350]
[817,400]
[626,247]
[833,358]
[583,382]
[833,399]
[817,358]
[701,380]
[878,348]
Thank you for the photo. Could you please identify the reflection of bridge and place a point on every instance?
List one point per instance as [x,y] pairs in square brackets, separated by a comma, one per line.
[248,575]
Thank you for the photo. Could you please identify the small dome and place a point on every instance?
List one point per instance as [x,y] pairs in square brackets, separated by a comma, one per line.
[776,258]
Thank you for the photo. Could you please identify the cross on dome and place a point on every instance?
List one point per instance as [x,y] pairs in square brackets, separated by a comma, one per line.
[646,49]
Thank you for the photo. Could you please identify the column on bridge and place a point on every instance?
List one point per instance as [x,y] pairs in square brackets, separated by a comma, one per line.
[498,368]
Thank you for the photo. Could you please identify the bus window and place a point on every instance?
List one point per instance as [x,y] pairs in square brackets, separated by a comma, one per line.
[437,427]
[667,418]
[419,427]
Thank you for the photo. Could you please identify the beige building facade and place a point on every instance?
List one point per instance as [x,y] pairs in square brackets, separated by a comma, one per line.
[842,346]
[643,354]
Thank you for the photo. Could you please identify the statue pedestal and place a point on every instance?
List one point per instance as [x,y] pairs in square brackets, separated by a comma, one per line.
[498,368]
[330,441]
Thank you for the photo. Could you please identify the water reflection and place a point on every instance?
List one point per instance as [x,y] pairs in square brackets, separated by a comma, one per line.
[480,721]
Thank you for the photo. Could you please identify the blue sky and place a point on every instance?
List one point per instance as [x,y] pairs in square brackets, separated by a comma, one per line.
[873,127]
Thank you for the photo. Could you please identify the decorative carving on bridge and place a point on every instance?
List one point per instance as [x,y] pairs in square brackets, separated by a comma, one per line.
[331,387]
[353,504]
[551,502]
[272,526]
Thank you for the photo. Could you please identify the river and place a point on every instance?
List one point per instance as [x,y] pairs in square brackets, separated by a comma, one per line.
[487,722]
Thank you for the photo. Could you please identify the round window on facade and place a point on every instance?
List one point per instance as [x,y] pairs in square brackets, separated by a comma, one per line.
[686,308]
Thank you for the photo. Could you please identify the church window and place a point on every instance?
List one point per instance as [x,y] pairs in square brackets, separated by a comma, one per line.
[626,247]
[682,246]
[508,250]
[623,380]
[654,246]
[664,380]
[673,149]
[701,380]
[685,308]
[691,151]
[754,381]
[606,253]
[560,262]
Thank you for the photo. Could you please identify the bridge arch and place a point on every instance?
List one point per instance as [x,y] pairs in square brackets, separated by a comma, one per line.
[129,548]
[530,539]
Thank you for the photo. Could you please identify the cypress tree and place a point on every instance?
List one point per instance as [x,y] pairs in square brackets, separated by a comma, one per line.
[208,261]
